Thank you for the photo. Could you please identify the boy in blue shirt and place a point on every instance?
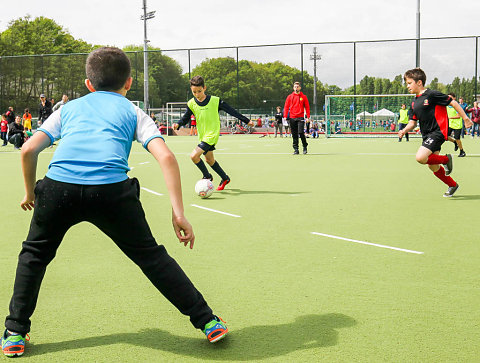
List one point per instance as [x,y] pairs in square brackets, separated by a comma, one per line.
[87,181]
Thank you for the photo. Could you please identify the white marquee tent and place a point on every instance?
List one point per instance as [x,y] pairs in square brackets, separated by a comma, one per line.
[364,115]
[383,113]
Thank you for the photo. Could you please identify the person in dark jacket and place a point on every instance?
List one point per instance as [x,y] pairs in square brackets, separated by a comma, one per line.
[10,115]
[16,135]
[44,109]
[279,122]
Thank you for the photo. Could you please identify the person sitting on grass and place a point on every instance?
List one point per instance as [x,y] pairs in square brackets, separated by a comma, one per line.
[87,181]
[205,109]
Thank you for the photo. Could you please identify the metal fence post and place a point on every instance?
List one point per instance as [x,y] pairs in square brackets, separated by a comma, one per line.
[476,67]
[238,83]
[189,66]
[301,63]
[43,90]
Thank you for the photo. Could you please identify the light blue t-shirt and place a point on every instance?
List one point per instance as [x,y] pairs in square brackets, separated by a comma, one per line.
[97,131]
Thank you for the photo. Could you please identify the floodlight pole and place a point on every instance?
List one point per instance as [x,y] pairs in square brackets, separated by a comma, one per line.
[315,56]
[417,58]
[146,16]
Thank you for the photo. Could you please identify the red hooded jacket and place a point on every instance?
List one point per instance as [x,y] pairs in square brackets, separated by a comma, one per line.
[298,105]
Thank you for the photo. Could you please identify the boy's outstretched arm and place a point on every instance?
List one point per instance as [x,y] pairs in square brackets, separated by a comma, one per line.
[410,126]
[171,173]
[233,112]
[29,156]
[184,120]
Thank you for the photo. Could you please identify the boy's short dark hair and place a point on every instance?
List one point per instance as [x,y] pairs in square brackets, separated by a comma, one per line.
[417,74]
[197,81]
[108,68]
[452,95]
[294,83]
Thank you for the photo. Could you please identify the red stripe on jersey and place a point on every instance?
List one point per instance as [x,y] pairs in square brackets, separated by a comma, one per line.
[442,119]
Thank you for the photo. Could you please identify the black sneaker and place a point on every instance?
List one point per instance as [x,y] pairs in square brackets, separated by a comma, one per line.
[449,165]
[210,177]
[451,191]
[462,154]
[456,146]
[304,150]
[295,152]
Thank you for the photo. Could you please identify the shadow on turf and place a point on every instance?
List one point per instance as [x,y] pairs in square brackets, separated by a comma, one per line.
[465,197]
[250,343]
[241,191]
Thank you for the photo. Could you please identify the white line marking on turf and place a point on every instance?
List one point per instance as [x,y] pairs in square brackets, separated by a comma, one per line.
[151,191]
[368,243]
[216,211]
[145,162]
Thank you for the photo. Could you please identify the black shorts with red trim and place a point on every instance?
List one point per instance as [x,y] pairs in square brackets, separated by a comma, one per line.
[206,147]
[433,141]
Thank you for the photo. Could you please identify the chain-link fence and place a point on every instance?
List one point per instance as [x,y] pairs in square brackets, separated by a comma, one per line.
[255,78]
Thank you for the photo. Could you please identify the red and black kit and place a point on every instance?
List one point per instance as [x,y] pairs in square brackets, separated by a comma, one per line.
[430,110]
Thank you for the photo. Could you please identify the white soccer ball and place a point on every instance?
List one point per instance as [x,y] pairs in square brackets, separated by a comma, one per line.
[204,188]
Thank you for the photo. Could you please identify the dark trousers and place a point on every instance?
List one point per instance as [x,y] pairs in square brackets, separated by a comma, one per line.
[3,136]
[116,210]
[297,127]
[401,127]
[17,140]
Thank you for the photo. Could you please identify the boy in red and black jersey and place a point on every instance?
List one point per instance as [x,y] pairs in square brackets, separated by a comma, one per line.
[429,108]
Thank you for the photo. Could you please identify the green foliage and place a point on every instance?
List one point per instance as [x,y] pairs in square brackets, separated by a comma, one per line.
[166,83]
[24,78]
[260,86]
[39,36]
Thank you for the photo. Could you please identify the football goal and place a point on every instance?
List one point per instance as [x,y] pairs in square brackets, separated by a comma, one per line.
[364,115]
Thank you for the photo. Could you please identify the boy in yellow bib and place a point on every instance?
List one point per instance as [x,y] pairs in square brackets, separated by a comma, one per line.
[205,109]
[455,126]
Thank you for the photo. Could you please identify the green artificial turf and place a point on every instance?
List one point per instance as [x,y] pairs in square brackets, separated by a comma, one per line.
[287,295]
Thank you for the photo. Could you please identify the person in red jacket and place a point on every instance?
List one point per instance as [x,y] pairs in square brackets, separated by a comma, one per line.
[475,111]
[295,110]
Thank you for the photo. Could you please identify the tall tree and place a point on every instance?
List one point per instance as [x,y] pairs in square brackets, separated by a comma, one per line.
[24,78]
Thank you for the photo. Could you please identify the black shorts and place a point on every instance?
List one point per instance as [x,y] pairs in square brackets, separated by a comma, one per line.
[433,141]
[456,133]
[206,147]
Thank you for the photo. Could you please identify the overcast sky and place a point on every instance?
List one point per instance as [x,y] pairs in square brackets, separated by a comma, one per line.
[216,23]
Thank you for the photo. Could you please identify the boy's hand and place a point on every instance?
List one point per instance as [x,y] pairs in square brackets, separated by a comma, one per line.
[180,224]
[251,123]
[28,202]
[401,134]
[174,126]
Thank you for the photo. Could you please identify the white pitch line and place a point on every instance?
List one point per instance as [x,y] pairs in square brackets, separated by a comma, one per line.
[368,243]
[216,211]
[151,191]
[145,162]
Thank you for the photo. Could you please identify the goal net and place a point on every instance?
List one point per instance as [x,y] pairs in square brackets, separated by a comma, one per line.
[364,115]
[168,115]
